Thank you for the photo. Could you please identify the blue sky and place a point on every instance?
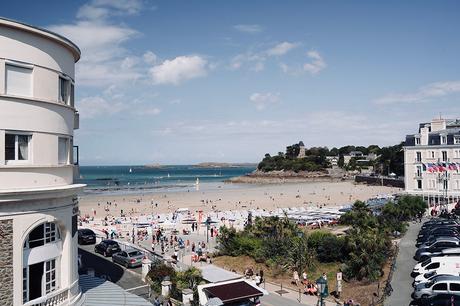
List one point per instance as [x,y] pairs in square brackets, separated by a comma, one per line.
[178,82]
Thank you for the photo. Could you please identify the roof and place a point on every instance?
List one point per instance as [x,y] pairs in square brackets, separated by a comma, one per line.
[233,292]
[214,274]
[67,43]
[99,292]
[301,144]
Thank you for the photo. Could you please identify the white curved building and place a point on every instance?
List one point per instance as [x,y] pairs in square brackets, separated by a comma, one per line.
[38,202]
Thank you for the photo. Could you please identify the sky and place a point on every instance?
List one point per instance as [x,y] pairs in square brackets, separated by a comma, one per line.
[181,82]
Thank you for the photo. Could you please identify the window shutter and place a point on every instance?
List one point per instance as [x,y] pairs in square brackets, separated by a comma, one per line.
[18,81]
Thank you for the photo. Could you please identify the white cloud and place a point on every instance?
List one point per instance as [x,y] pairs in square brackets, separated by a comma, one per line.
[264,100]
[103,43]
[179,69]
[317,63]
[146,111]
[281,48]
[101,9]
[150,57]
[256,59]
[423,94]
[91,107]
[248,28]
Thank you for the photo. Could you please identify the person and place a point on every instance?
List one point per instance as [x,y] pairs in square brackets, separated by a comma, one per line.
[257,279]
[261,274]
[324,276]
[156,302]
[295,276]
[304,277]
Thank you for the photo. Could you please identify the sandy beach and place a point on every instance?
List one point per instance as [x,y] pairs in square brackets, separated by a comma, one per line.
[269,197]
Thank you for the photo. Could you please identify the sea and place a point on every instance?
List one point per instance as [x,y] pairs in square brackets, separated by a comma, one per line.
[135,179]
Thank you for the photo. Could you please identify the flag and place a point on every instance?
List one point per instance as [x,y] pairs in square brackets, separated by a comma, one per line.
[423,167]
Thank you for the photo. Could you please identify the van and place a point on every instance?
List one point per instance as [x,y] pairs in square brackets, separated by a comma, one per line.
[447,248]
[433,263]
[441,285]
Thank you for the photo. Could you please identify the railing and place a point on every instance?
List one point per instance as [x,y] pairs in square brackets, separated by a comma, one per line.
[54,298]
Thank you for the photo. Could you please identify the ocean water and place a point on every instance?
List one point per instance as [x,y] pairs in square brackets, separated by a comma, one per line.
[134,179]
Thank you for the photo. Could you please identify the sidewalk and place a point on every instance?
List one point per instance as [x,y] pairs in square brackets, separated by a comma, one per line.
[288,293]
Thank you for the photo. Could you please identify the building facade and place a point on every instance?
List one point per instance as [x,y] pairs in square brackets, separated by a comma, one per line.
[432,161]
[38,197]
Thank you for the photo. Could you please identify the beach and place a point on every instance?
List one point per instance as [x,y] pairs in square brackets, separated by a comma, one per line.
[231,197]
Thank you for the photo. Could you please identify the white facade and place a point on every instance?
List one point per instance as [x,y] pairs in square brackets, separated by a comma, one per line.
[38,202]
[432,160]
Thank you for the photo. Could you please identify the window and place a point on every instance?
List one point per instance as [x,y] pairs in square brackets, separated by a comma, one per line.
[419,171]
[18,80]
[42,234]
[25,295]
[446,184]
[418,156]
[50,276]
[454,287]
[417,140]
[441,286]
[443,139]
[72,94]
[63,151]
[64,90]
[16,147]
[432,154]
[444,155]
[457,140]
[458,184]
[419,184]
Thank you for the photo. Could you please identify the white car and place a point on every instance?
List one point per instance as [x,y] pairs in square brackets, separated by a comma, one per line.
[434,263]
[429,276]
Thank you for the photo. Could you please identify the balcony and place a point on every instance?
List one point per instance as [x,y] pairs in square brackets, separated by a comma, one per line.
[55,298]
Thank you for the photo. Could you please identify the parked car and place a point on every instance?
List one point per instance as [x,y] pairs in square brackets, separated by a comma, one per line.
[437,249]
[107,247]
[433,241]
[434,263]
[432,275]
[86,236]
[129,259]
[445,233]
[441,300]
[442,285]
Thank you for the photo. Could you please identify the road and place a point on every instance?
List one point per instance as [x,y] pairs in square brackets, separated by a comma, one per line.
[402,281]
[103,266]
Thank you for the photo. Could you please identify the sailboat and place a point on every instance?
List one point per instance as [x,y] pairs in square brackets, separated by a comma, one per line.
[130,170]
[197,181]
[169,175]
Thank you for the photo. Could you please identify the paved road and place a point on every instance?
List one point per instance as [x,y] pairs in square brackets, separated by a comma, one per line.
[402,281]
[125,278]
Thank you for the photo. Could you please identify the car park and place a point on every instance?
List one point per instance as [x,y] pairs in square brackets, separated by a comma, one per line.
[86,236]
[107,247]
[441,285]
[129,258]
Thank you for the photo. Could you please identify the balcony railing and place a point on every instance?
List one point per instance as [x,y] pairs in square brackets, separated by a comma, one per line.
[55,298]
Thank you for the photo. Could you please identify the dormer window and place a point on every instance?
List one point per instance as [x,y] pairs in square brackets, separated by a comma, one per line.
[417,140]
[456,139]
[443,139]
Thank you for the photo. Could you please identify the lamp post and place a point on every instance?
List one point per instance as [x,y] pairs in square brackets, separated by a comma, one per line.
[300,235]
[322,289]
[444,180]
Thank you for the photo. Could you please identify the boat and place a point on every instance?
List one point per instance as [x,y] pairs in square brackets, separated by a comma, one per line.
[197,181]
[130,170]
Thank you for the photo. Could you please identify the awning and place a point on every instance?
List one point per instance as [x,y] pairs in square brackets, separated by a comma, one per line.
[233,292]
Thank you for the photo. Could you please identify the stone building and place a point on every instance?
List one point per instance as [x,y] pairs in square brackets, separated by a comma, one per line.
[38,196]
[432,161]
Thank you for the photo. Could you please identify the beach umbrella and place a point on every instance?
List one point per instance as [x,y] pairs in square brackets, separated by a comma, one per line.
[214,302]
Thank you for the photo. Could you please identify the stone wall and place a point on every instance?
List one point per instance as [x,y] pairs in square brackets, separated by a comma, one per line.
[6,262]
